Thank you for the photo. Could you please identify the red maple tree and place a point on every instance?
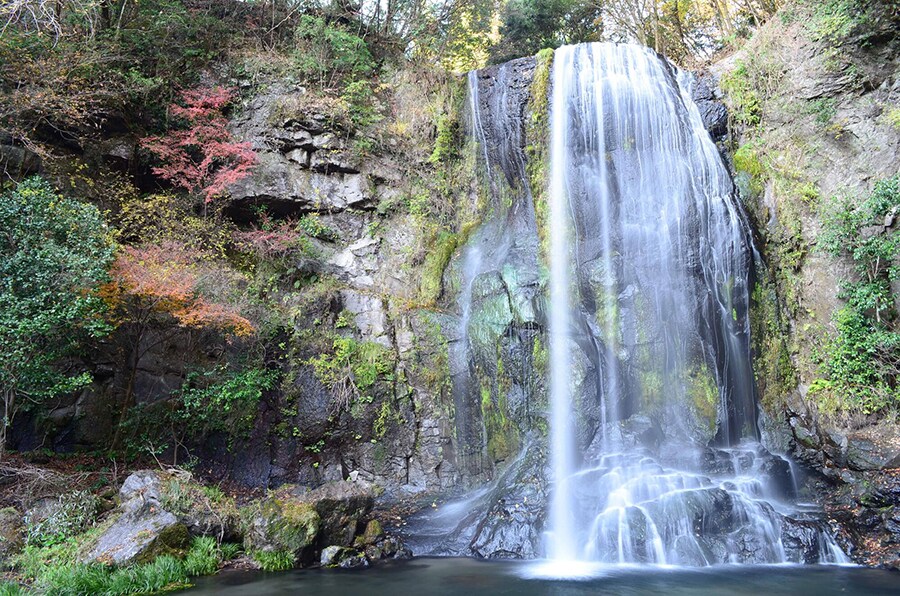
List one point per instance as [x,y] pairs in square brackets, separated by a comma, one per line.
[203,157]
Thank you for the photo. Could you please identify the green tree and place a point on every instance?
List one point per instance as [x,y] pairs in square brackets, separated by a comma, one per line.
[532,25]
[54,256]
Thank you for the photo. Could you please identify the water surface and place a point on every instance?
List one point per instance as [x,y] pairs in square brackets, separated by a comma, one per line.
[471,577]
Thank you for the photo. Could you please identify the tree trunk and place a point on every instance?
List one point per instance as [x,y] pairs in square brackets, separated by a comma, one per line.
[9,395]
[129,389]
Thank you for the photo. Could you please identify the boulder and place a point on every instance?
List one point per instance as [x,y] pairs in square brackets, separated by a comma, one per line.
[51,519]
[283,524]
[143,530]
[17,161]
[341,505]
[345,558]
[144,484]
[142,533]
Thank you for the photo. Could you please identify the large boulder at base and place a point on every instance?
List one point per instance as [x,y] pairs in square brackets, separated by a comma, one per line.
[342,506]
[299,521]
[282,524]
[144,484]
[143,531]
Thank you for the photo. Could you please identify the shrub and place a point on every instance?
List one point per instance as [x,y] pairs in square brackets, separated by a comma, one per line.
[861,360]
[224,400]
[746,103]
[54,256]
[352,369]
[329,53]
[72,513]
[201,157]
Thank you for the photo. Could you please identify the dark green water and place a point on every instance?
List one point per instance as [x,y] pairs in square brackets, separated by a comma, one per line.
[469,577]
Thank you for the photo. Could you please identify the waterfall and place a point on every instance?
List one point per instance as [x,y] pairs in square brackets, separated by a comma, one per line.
[653,421]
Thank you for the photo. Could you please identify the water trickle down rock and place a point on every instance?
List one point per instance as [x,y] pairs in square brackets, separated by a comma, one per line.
[650,277]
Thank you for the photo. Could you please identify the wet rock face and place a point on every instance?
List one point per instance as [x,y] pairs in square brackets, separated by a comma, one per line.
[865,507]
[504,520]
[705,93]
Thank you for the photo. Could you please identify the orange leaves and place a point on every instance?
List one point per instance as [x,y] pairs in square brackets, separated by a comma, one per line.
[163,279]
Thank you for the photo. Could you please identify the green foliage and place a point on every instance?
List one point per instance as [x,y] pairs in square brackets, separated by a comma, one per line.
[747,160]
[537,134]
[471,33]
[775,373]
[532,25]
[362,103]
[834,20]
[446,144]
[224,400]
[312,225]
[892,117]
[72,513]
[10,589]
[273,560]
[745,100]
[329,53]
[385,415]
[351,370]
[204,556]
[215,400]
[861,360]
[54,570]
[823,109]
[436,261]
[857,231]
[54,255]
[72,72]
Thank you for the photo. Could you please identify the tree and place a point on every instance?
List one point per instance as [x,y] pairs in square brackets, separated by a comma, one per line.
[203,157]
[54,255]
[156,287]
[532,25]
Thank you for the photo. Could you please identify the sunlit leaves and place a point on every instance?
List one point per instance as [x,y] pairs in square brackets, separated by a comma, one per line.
[164,280]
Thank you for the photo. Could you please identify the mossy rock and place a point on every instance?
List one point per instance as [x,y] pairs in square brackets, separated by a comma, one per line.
[372,534]
[341,506]
[282,524]
[173,541]
[141,534]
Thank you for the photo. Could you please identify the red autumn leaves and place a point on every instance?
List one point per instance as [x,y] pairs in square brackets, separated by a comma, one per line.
[202,157]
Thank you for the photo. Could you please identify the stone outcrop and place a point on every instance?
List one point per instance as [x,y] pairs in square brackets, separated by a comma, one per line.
[331,525]
[143,529]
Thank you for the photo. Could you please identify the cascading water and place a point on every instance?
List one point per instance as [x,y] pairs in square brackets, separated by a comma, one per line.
[650,259]
[654,451]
